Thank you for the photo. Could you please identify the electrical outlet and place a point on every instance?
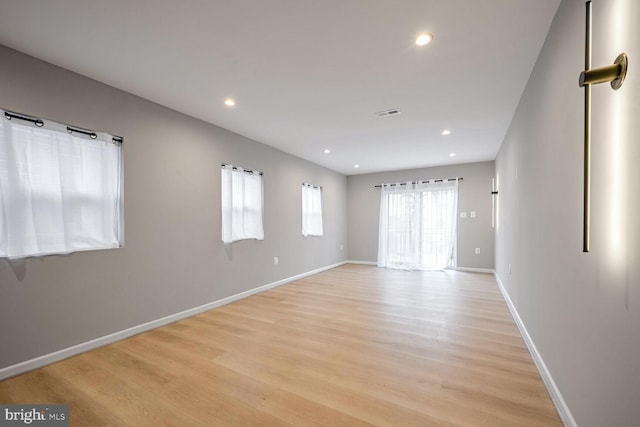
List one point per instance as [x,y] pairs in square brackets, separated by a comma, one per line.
[463,214]
[275,260]
[472,214]
[477,251]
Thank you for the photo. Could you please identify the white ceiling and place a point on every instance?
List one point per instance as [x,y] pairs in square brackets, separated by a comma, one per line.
[308,74]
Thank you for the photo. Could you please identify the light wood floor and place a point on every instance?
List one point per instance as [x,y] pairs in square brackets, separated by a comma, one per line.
[352,346]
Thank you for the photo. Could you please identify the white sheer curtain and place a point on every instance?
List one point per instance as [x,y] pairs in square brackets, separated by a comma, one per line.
[418,225]
[242,204]
[60,192]
[311,210]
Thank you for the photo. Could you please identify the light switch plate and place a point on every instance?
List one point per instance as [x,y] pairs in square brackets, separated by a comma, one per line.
[463,214]
[472,214]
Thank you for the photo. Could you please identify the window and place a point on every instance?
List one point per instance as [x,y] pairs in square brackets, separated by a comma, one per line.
[311,210]
[418,225]
[242,204]
[60,188]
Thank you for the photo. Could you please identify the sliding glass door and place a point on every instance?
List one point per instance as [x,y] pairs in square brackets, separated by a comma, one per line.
[418,225]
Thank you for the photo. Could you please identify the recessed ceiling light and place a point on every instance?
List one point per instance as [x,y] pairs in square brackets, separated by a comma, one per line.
[327,151]
[229,102]
[452,154]
[356,166]
[446,132]
[424,39]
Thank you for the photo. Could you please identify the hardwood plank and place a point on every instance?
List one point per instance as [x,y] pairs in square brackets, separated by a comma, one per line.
[355,345]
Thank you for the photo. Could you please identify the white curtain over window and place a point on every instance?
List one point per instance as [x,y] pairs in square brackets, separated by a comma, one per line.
[242,204]
[60,192]
[418,225]
[311,210]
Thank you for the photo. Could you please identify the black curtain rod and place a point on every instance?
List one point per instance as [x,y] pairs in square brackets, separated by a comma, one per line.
[418,182]
[235,168]
[312,186]
[91,135]
[40,123]
[37,122]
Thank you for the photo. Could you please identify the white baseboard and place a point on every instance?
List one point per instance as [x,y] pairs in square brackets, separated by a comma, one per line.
[47,359]
[362,262]
[552,388]
[469,269]
[475,270]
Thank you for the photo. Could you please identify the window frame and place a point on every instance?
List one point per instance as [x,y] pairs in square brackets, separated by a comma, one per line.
[312,221]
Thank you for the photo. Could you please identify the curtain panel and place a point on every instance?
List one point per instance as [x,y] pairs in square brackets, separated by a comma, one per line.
[242,204]
[311,211]
[60,191]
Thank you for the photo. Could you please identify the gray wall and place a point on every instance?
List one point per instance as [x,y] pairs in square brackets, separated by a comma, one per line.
[582,310]
[174,259]
[474,195]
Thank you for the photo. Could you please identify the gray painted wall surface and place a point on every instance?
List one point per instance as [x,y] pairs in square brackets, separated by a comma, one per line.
[174,259]
[582,310]
[474,194]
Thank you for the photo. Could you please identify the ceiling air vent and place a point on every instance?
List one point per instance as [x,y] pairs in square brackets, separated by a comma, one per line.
[391,112]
